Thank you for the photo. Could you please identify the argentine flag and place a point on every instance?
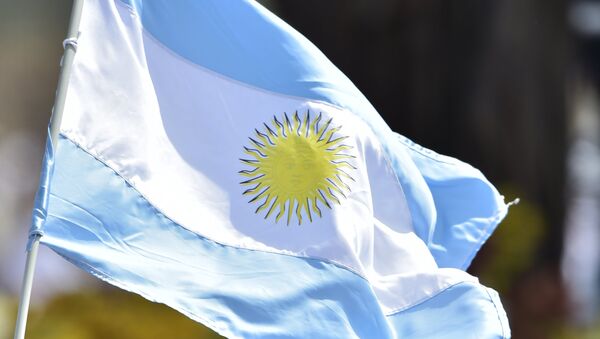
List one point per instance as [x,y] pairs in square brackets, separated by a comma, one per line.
[212,159]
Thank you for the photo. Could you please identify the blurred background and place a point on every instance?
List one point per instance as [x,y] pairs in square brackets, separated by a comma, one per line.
[510,86]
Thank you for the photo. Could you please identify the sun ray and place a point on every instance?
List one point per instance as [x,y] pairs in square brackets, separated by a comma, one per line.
[298,213]
[307,209]
[297,165]
[249,162]
[343,163]
[339,183]
[321,197]
[343,156]
[287,123]
[259,195]
[252,180]
[254,153]
[332,186]
[256,143]
[332,196]
[272,208]
[289,210]
[316,208]
[252,190]
[248,173]
[306,124]
[334,142]
[344,174]
[315,125]
[327,136]
[324,129]
[264,138]
[281,211]
[279,127]
[297,123]
[271,132]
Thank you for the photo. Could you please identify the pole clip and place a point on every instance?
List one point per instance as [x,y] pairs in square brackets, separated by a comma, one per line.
[70,42]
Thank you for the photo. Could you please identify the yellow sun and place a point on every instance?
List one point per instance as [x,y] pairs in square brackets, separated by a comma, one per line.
[295,165]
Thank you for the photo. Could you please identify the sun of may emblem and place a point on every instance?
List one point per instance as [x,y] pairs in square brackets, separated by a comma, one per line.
[297,166]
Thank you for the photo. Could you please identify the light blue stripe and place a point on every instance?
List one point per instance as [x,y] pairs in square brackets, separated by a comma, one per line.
[103,225]
[468,207]
[466,310]
[40,204]
[243,41]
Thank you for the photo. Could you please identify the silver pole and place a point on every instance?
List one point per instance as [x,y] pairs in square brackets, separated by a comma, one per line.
[57,112]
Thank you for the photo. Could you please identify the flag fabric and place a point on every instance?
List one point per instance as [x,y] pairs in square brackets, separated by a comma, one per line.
[212,159]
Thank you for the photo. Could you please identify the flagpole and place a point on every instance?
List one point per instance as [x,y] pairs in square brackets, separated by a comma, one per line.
[70,47]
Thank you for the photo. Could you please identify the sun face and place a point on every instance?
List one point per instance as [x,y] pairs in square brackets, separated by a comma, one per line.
[297,166]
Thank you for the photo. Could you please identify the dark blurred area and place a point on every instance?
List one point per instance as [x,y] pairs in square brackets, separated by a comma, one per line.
[486,82]
[510,87]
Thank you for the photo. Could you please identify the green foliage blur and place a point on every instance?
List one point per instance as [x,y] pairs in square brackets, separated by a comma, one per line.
[514,244]
[107,313]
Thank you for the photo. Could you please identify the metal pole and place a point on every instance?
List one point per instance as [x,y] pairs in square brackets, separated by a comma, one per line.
[70,46]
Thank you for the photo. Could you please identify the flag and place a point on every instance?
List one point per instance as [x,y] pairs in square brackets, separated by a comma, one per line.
[212,159]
